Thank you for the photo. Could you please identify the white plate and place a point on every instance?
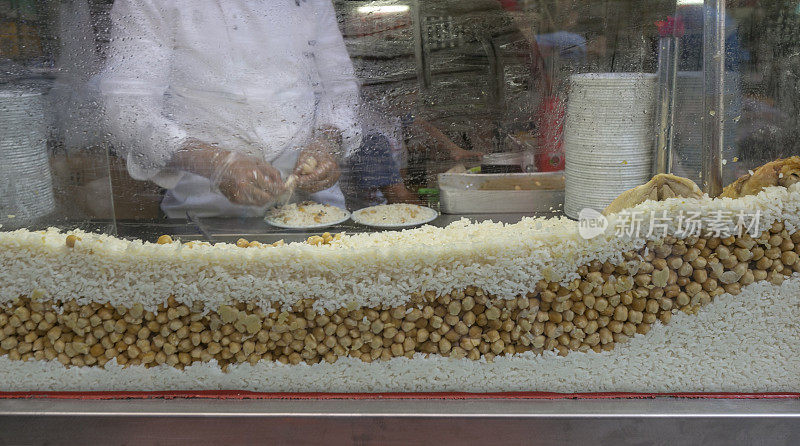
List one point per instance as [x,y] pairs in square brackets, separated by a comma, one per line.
[597,117]
[608,148]
[608,112]
[609,177]
[619,139]
[605,155]
[612,143]
[316,226]
[609,107]
[589,98]
[627,120]
[588,131]
[610,80]
[585,127]
[591,158]
[620,144]
[600,169]
[639,122]
[357,218]
[622,137]
[602,152]
[579,163]
[590,190]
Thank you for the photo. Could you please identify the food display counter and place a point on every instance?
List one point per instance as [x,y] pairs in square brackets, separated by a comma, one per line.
[517,416]
[399,221]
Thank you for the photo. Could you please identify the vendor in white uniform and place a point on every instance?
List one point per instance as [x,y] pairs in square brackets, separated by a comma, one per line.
[219,101]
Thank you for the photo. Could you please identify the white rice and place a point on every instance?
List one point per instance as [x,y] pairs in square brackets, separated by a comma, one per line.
[306,214]
[394,215]
[744,343]
[370,270]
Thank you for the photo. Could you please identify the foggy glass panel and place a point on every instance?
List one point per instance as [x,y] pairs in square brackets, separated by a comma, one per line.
[442,85]
[769,36]
[54,168]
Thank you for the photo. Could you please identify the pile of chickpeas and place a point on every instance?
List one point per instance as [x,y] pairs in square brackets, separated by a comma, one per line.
[606,306]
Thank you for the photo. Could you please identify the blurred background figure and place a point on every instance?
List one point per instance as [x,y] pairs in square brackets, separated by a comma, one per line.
[220,102]
[373,171]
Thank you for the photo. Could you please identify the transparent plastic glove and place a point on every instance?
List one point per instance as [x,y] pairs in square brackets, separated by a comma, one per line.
[242,179]
[317,166]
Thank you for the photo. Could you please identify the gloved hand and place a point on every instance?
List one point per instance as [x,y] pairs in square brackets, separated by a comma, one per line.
[246,180]
[242,179]
[317,166]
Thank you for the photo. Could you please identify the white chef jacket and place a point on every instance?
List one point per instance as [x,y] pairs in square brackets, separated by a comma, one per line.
[252,76]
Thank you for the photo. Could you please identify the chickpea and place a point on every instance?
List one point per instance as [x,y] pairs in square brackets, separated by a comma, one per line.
[605,336]
[699,263]
[710,285]
[747,278]
[763,263]
[621,313]
[789,258]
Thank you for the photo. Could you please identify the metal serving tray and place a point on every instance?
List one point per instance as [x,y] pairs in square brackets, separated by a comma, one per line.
[464,193]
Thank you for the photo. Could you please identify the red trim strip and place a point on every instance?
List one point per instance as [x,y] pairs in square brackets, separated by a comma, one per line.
[243,395]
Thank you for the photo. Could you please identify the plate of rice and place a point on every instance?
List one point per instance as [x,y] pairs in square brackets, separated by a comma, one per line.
[306,215]
[398,215]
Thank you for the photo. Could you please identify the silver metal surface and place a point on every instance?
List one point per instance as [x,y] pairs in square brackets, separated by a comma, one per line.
[713,95]
[665,101]
[230,229]
[411,421]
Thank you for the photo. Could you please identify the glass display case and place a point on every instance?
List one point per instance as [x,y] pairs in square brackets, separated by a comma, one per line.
[407,196]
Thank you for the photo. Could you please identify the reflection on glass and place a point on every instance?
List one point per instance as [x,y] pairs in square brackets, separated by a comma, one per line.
[145,110]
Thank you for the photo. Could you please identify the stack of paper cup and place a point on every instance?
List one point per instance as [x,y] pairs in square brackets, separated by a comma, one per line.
[26,190]
[608,137]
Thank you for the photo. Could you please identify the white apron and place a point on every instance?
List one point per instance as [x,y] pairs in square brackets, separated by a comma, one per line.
[251,76]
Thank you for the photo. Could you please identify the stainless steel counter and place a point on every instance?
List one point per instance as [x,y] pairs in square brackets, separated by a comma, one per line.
[230,229]
[494,421]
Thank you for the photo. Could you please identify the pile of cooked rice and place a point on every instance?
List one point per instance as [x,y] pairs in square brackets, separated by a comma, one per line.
[83,311]
[393,215]
[306,214]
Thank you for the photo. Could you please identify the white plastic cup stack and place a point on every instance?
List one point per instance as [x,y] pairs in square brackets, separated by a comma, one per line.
[26,189]
[608,137]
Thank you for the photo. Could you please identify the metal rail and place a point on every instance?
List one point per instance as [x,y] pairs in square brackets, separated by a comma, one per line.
[665,115]
[503,421]
[713,93]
